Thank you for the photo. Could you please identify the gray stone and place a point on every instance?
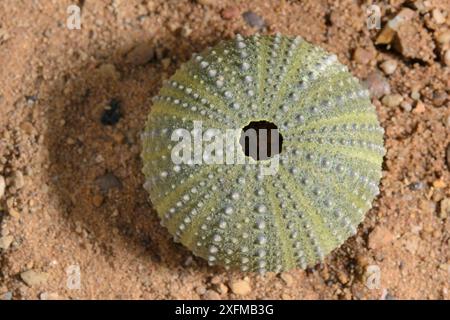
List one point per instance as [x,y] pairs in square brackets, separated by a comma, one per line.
[108,181]
[377,84]
[253,20]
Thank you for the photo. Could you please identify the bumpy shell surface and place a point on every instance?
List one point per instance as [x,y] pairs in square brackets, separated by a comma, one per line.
[330,163]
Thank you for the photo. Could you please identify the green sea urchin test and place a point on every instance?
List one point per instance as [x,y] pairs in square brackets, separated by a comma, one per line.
[289,209]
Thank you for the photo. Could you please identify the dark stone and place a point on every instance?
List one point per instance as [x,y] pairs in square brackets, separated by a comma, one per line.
[31,99]
[439,98]
[390,297]
[108,181]
[112,114]
[419,185]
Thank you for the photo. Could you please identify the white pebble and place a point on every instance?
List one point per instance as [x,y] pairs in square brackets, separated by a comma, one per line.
[389,66]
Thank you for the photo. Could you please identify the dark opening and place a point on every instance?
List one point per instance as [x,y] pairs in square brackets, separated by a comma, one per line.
[261,140]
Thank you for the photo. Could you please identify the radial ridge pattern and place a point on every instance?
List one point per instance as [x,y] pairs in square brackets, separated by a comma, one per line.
[329,168]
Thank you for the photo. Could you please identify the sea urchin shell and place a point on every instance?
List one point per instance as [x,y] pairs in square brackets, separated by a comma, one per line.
[329,165]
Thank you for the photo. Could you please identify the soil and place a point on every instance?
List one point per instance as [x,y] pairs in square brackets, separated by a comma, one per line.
[74,101]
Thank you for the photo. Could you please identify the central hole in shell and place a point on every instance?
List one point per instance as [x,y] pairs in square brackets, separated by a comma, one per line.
[261,140]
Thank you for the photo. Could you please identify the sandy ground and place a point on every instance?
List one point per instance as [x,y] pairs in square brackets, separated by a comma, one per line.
[72,106]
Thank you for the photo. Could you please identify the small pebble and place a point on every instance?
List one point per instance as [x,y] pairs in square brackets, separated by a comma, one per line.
[230,13]
[240,287]
[215,280]
[166,63]
[389,296]
[189,260]
[13,213]
[379,237]
[362,261]
[444,37]
[108,70]
[70,141]
[406,106]
[5,242]
[444,208]
[392,100]
[412,243]
[115,213]
[439,184]
[97,200]
[438,17]
[439,98]
[447,57]
[444,266]
[419,185]
[140,54]
[287,278]
[362,56]
[200,290]
[108,181]
[415,95]
[34,278]
[27,127]
[221,288]
[377,84]
[7,296]
[389,66]
[2,187]
[18,180]
[342,277]
[211,295]
[285,296]
[49,296]
[99,159]
[30,100]
[419,108]
[253,20]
